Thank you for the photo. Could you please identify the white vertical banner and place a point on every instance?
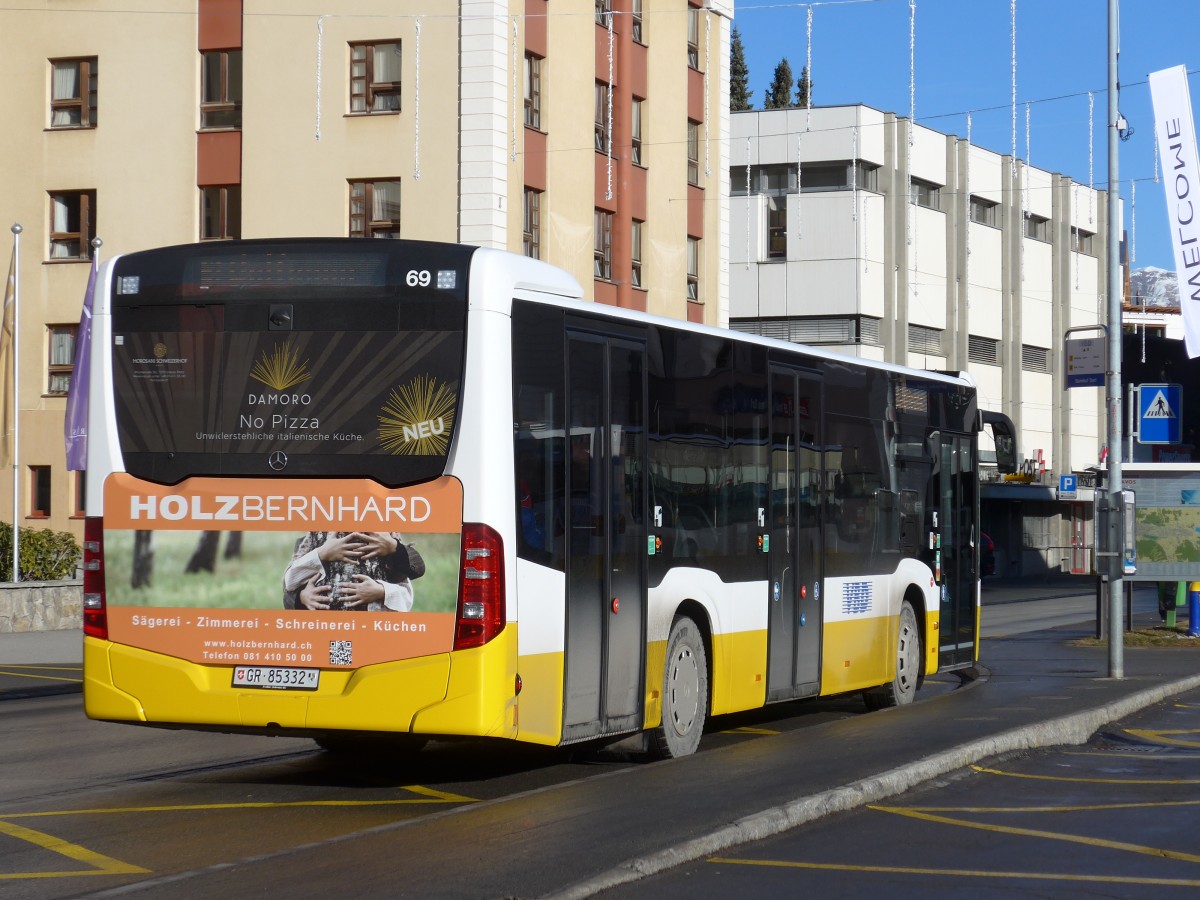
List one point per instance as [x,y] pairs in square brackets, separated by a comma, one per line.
[1176,133]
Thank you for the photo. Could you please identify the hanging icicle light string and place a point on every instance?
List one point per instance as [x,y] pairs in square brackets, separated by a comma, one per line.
[320,36]
[608,191]
[809,73]
[516,116]
[707,67]
[417,102]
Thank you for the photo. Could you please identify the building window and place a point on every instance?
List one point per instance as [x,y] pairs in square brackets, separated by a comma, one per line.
[1037,227]
[375,77]
[693,268]
[533,223]
[602,244]
[220,212]
[814,177]
[1035,359]
[635,254]
[926,193]
[39,492]
[693,25]
[73,92]
[984,211]
[983,350]
[693,152]
[533,91]
[922,339]
[777,226]
[635,21]
[636,131]
[814,329]
[602,117]
[603,11]
[79,498]
[72,224]
[375,209]
[1081,241]
[221,89]
[62,357]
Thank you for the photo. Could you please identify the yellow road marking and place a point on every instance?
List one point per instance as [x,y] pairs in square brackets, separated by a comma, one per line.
[1049,835]
[105,865]
[955,873]
[1161,736]
[1097,807]
[748,730]
[102,865]
[428,796]
[12,674]
[1189,758]
[1181,781]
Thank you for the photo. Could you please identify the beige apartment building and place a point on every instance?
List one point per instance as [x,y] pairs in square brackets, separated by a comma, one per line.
[589,135]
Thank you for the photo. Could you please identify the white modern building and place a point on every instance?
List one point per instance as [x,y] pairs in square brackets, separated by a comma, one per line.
[853,229]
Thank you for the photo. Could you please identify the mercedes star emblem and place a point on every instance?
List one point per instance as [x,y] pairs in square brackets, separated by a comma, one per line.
[277,460]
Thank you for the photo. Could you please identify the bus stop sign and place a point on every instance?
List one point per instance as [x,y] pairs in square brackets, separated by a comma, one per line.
[1160,408]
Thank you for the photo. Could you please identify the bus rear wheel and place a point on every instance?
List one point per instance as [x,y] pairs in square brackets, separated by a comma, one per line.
[901,690]
[685,693]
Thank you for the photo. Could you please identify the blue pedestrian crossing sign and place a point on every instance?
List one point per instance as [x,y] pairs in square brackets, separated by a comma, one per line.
[1160,411]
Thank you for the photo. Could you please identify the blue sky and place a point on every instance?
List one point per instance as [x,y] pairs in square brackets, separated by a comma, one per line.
[963,62]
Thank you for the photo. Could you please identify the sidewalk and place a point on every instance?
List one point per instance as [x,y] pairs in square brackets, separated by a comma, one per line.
[40,663]
[1040,587]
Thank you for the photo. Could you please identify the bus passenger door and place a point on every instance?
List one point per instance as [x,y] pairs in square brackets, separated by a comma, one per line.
[957,480]
[606,541]
[794,534]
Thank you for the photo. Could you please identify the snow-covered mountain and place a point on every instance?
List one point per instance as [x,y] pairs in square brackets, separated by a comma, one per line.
[1153,287]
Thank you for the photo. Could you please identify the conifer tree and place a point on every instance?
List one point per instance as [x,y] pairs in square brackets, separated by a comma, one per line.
[739,75]
[804,88]
[779,94]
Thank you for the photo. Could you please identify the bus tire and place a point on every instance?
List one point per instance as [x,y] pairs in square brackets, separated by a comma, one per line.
[685,693]
[901,690]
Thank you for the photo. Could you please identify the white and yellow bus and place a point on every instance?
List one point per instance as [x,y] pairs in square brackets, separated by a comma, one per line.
[339,488]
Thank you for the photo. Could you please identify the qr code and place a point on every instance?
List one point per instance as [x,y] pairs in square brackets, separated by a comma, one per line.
[341,653]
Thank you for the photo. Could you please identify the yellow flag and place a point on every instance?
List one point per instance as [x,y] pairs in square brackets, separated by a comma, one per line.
[7,401]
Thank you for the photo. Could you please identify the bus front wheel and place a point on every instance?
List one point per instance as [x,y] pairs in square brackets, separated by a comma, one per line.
[901,690]
[685,692]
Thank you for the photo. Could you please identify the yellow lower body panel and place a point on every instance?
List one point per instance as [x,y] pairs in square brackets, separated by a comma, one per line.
[933,623]
[540,704]
[469,692]
[656,661]
[739,668]
[858,654]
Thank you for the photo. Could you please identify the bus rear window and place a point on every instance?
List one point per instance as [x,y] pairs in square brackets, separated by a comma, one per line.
[195,397]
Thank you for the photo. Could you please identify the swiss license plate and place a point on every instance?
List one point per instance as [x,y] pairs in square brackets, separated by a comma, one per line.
[281,678]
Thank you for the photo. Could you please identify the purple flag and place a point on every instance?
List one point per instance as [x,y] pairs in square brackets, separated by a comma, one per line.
[76,424]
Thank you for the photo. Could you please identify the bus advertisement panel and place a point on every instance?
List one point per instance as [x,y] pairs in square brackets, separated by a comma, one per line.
[335,573]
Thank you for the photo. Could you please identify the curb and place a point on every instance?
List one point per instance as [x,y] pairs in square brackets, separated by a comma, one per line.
[1075,728]
[51,690]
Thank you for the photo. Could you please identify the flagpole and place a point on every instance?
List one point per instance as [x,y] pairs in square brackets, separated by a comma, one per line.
[16,354]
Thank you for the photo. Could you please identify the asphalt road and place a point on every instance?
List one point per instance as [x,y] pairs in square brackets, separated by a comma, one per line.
[1113,818]
[91,808]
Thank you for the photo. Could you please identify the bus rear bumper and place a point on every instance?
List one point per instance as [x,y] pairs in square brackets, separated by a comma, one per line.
[471,692]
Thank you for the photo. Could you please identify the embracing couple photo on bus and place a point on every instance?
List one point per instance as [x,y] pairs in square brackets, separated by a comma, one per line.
[370,571]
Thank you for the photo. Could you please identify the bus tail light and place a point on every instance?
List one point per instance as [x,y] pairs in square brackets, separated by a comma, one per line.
[481,605]
[95,614]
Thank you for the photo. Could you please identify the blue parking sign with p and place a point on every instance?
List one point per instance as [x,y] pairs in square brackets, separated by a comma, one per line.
[1160,408]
